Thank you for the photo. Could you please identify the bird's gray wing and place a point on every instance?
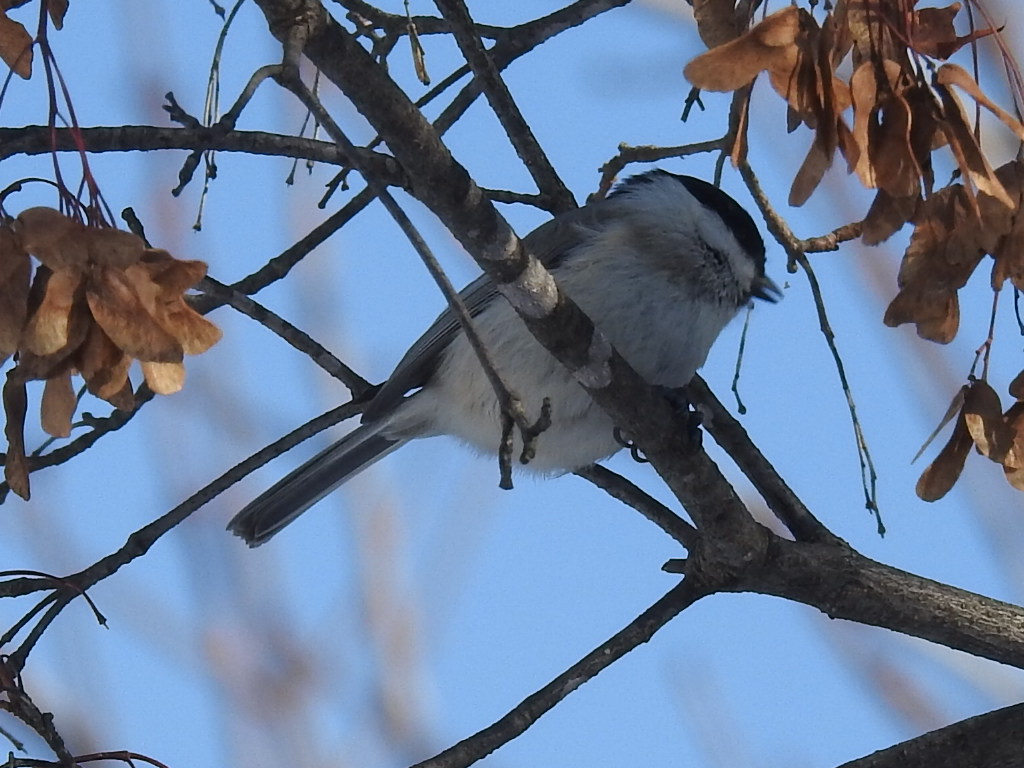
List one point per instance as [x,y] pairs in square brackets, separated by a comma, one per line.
[549,243]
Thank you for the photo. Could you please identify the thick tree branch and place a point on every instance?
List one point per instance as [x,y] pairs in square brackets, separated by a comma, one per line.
[992,740]
[844,584]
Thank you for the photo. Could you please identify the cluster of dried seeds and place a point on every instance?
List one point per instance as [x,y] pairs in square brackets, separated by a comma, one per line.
[98,300]
[905,107]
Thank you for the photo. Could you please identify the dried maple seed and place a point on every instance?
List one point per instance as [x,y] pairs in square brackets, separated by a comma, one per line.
[15,46]
[58,406]
[53,238]
[983,414]
[15,271]
[164,378]
[47,330]
[942,474]
[1017,386]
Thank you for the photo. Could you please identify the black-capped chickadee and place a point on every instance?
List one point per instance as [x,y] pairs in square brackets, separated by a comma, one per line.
[660,266]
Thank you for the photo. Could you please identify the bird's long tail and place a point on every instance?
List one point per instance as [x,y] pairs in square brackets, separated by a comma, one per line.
[302,488]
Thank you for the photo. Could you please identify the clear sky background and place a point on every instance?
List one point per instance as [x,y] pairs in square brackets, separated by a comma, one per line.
[420,603]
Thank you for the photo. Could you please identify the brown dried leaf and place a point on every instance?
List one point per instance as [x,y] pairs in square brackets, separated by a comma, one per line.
[1015,477]
[738,151]
[171,274]
[15,48]
[48,329]
[58,406]
[123,400]
[1013,462]
[194,332]
[932,32]
[717,21]
[1014,420]
[945,248]
[120,311]
[871,26]
[925,136]
[1017,386]
[948,238]
[891,157]
[843,38]
[112,247]
[955,406]
[887,215]
[1006,227]
[969,157]
[57,9]
[848,146]
[886,115]
[935,311]
[942,474]
[52,238]
[103,365]
[811,172]
[164,378]
[864,93]
[951,74]
[983,414]
[820,99]
[159,284]
[15,270]
[732,65]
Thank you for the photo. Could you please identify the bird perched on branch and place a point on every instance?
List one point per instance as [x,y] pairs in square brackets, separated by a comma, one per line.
[660,266]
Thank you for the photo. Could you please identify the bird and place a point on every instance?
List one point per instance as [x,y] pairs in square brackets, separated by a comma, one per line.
[660,265]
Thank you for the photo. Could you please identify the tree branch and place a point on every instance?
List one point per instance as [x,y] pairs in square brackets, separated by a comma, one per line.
[992,740]
[639,631]
[518,131]
[140,541]
[36,140]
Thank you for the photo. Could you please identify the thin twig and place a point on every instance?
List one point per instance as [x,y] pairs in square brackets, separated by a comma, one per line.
[833,239]
[298,339]
[779,497]
[533,707]
[141,540]
[620,488]
[647,153]
[793,246]
[517,129]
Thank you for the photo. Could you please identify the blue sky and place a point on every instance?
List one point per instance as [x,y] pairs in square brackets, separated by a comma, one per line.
[420,602]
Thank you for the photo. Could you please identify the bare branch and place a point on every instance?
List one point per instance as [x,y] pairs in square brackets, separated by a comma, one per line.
[729,434]
[519,133]
[141,540]
[992,740]
[298,339]
[620,488]
[794,250]
[844,584]
[35,140]
[531,709]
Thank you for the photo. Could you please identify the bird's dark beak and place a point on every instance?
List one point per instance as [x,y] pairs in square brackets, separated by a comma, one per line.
[765,288]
